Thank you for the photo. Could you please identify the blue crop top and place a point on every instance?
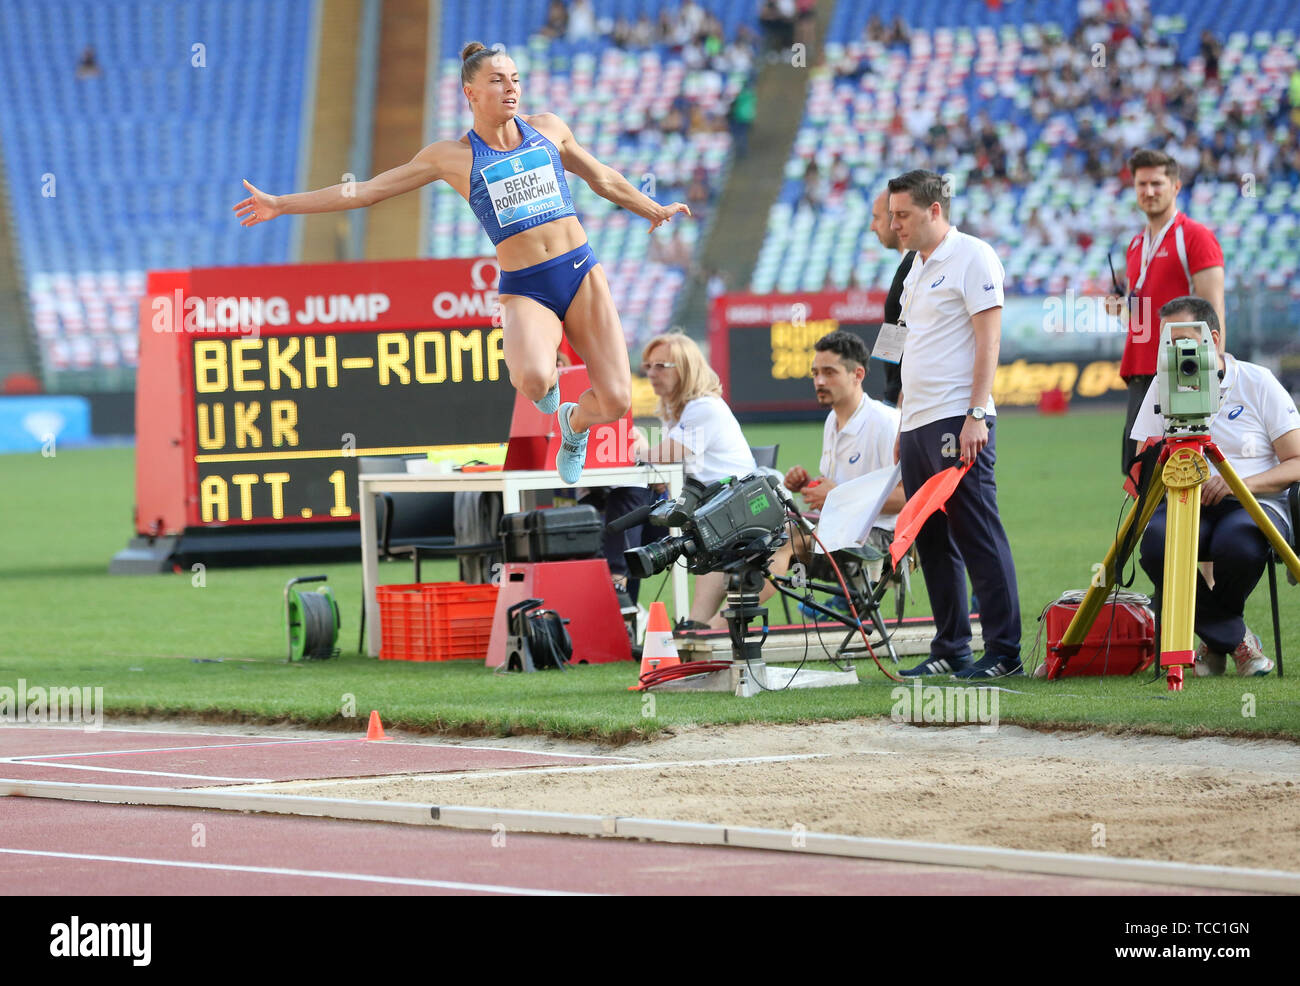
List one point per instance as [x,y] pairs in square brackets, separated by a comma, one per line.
[511,191]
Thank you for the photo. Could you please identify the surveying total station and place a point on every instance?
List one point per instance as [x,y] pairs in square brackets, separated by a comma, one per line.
[1188,392]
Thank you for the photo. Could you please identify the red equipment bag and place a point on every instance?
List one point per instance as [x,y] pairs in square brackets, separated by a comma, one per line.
[1122,641]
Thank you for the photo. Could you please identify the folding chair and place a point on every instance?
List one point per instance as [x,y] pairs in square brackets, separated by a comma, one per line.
[1293,512]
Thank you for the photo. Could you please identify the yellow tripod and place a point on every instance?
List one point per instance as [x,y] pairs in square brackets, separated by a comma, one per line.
[1180,472]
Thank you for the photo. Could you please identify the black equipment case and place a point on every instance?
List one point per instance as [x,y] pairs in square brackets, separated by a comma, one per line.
[555,534]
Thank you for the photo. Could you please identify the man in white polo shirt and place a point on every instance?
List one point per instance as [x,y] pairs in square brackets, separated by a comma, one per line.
[858,439]
[1258,431]
[950,328]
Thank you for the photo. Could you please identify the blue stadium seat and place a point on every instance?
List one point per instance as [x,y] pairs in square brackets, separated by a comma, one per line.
[146,155]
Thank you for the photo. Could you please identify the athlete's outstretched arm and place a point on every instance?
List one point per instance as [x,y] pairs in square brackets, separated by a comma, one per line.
[425,167]
[604,180]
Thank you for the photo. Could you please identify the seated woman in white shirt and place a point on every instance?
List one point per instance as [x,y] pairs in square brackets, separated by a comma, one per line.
[700,432]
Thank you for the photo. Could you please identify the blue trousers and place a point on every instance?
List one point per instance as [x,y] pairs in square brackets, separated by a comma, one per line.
[1230,539]
[968,536]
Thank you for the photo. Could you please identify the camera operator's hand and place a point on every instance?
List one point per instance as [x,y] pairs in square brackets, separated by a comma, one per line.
[1114,305]
[796,479]
[814,494]
[1214,490]
[974,436]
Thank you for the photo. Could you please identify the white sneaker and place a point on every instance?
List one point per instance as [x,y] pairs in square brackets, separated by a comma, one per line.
[1209,663]
[1251,660]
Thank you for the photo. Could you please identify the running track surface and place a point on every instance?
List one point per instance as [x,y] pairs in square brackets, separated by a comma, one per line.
[64,848]
[341,857]
[184,760]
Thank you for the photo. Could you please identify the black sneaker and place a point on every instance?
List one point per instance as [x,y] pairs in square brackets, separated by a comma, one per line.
[938,665]
[993,667]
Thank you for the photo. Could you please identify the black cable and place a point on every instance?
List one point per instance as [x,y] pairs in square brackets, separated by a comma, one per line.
[317,625]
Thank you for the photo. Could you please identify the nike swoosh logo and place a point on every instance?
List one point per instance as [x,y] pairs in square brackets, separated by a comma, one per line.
[579,263]
[534,143]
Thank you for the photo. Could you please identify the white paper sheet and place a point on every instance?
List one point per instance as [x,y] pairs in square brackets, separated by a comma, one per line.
[852,508]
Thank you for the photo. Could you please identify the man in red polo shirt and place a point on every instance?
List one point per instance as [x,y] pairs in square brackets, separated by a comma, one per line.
[1173,256]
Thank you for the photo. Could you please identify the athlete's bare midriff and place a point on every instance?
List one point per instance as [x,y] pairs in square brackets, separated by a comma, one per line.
[532,246]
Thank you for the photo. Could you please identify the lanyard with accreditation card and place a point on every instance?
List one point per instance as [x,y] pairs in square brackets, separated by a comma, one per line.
[893,337]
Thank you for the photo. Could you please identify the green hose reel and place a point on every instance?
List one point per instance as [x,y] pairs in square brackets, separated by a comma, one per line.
[311,620]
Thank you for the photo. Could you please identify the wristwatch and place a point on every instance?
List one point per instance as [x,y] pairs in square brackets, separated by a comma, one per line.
[976,412]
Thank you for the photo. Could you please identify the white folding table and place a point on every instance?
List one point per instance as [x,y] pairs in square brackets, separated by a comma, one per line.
[510,485]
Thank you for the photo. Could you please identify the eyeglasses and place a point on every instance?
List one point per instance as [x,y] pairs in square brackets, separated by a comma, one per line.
[647,367]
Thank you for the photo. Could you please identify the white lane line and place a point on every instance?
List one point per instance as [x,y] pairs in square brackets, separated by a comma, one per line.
[542,753]
[272,743]
[172,749]
[318,874]
[147,773]
[461,775]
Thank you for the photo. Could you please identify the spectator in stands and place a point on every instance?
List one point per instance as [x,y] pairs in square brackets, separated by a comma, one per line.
[740,117]
[841,179]
[557,20]
[814,187]
[805,22]
[857,439]
[776,17]
[700,432]
[697,193]
[876,30]
[642,34]
[1211,52]
[952,308]
[691,19]
[1171,257]
[898,33]
[1257,429]
[582,21]
[88,63]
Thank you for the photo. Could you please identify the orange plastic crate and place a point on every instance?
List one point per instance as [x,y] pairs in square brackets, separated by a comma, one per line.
[435,621]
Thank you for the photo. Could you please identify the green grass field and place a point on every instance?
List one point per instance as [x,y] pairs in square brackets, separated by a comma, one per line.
[162,645]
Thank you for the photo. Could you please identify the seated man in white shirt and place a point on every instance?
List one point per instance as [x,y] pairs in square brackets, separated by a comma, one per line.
[1257,429]
[858,439]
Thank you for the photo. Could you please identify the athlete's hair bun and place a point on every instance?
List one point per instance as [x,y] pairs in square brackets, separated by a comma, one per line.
[470,49]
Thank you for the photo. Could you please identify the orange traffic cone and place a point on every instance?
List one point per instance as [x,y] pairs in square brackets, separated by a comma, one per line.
[658,650]
[375,731]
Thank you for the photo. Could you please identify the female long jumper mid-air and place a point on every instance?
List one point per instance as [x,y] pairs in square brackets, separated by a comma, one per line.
[510,168]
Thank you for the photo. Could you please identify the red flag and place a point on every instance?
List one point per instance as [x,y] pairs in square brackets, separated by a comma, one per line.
[930,497]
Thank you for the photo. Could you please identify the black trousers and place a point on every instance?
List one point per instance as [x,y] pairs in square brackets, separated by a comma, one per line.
[1239,550]
[615,502]
[1137,389]
[968,533]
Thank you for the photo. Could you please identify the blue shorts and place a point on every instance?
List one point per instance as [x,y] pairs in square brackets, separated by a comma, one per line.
[553,282]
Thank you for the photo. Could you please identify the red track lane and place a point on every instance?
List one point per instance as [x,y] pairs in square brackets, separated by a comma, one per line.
[468,860]
[106,758]
[29,740]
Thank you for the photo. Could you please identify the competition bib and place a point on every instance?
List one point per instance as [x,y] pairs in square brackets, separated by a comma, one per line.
[523,186]
[889,343]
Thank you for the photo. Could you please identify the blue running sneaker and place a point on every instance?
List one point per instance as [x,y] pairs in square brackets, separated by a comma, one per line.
[938,665]
[572,455]
[551,402]
[992,667]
